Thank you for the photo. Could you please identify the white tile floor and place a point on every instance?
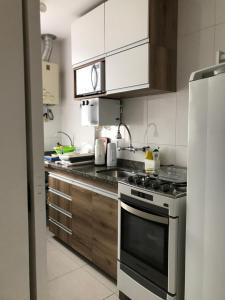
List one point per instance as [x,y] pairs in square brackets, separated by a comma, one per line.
[71,278]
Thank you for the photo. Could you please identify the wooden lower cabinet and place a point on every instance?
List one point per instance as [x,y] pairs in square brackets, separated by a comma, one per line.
[82,221]
[60,216]
[94,228]
[59,201]
[62,233]
[86,221]
[104,247]
[59,185]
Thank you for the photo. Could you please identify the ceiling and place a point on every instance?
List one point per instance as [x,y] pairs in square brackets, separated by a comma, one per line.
[60,14]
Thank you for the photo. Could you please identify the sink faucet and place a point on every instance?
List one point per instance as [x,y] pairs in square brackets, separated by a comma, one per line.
[71,142]
[119,137]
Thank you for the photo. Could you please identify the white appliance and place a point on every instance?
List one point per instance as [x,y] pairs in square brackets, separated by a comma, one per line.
[205,243]
[50,82]
[100,112]
[90,80]
[151,236]
[100,151]
[22,193]
[111,155]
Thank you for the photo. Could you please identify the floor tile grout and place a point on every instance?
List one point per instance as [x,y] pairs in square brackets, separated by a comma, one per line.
[108,297]
[86,267]
[95,277]
[57,277]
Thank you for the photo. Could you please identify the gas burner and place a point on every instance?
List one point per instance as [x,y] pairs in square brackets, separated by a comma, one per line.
[153,182]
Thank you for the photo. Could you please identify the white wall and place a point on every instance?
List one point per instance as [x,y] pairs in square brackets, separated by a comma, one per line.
[51,127]
[201,31]
[67,113]
[70,109]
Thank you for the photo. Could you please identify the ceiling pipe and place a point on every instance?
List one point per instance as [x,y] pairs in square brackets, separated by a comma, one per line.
[43,7]
[48,45]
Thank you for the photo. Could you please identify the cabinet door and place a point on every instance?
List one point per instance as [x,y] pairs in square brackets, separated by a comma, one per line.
[104,251]
[87,34]
[82,221]
[126,22]
[128,69]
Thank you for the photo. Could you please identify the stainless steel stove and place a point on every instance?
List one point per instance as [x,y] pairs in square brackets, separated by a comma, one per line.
[157,184]
[152,235]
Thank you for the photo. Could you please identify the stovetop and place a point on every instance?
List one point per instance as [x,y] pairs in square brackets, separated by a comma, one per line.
[168,181]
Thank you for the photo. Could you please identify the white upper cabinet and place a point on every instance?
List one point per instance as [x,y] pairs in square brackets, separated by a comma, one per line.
[128,70]
[126,22]
[87,36]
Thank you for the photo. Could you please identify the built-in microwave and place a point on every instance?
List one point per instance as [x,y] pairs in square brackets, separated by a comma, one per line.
[90,79]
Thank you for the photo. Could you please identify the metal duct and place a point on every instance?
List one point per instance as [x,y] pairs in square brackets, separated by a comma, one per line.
[48,45]
[43,7]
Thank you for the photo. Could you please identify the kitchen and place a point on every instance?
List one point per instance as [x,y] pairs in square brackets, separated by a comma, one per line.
[126,239]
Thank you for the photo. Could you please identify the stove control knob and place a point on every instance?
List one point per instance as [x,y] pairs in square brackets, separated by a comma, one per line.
[130,179]
[165,188]
[155,185]
[146,183]
[137,180]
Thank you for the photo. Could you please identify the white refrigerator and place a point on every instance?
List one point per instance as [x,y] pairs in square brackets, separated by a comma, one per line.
[22,199]
[205,233]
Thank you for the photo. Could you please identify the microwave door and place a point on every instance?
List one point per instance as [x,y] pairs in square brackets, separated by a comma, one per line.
[84,81]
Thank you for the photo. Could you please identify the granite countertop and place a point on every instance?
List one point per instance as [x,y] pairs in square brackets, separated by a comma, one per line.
[88,171]
[92,172]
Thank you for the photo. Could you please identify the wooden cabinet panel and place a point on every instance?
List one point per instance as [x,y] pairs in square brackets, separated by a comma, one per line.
[60,232]
[60,217]
[87,223]
[128,69]
[87,36]
[82,221]
[60,201]
[126,22]
[59,185]
[104,248]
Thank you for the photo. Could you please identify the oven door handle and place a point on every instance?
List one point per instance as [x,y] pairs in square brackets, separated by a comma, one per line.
[144,215]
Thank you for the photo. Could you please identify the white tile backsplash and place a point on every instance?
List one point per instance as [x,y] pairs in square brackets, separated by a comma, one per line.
[162,119]
[219,37]
[195,15]
[181,156]
[50,129]
[182,117]
[135,114]
[220,9]
[197,52]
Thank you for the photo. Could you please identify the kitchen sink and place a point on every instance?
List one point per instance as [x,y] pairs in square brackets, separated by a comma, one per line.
[117,173]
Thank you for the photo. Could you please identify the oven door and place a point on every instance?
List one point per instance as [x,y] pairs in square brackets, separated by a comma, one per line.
[148,245]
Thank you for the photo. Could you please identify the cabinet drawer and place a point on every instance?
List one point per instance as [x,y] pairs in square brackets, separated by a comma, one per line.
[60,200]
[128,69]
[59,185]
[60,216]
[61,232]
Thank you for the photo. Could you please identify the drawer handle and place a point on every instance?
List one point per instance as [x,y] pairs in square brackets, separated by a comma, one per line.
[64,212]
[60,226]
[60,194]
